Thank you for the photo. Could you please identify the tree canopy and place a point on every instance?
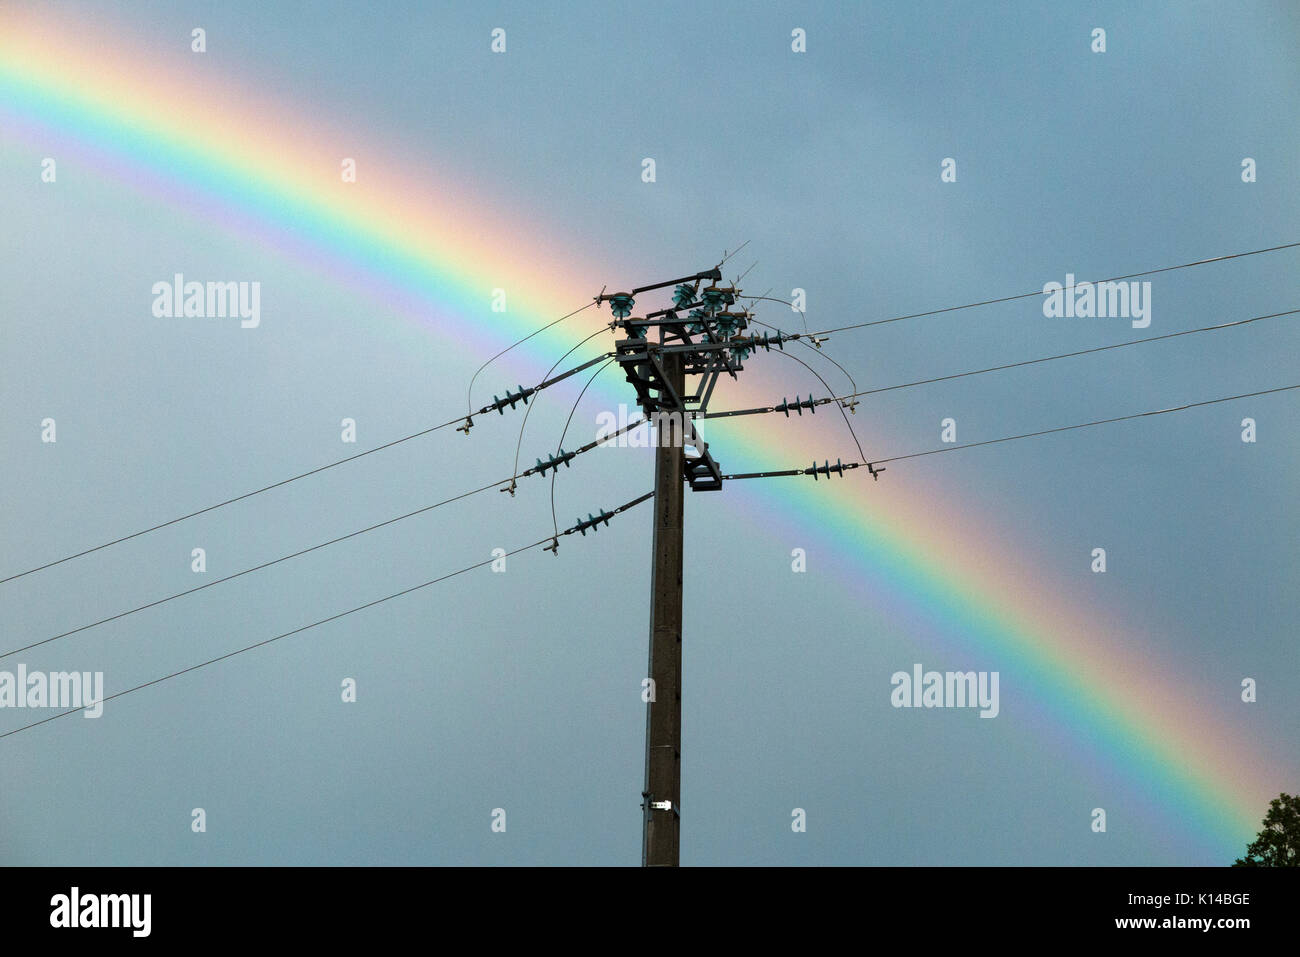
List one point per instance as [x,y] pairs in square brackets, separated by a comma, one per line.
[1278,845]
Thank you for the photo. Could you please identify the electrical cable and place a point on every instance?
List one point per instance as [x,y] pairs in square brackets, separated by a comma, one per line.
[322,621]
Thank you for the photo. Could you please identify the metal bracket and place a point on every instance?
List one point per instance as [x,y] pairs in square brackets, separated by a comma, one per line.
[648,805]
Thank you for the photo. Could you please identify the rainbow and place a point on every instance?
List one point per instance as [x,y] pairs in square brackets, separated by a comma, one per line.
[256,168]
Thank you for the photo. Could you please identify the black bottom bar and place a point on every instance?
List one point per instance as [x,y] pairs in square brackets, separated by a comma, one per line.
[1231,907]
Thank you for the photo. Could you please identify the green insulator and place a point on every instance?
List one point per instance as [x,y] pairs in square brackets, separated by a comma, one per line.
[620,304]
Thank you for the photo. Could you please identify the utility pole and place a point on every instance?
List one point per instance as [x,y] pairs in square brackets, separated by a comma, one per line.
[673,358]
[663,728]
[698,337]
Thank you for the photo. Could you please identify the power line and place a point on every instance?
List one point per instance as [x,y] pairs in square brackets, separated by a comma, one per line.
[839,468]
[537,469]
[727,255]
[528,411]
[246,571]
[497,405]
[1040,292]
[229,501]
[808,345]
[785,302]
[559,450]
[580,527]
[862,455]
[727,413]
[1085,425]
[1081,352]
[469,403]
